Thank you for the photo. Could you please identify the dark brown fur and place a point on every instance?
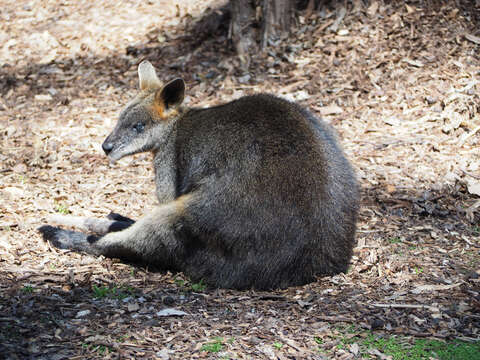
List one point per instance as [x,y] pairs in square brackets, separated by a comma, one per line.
[278,199]
[255,193]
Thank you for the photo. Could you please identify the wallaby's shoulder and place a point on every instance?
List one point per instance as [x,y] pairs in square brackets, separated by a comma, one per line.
[253,102]
[262,108]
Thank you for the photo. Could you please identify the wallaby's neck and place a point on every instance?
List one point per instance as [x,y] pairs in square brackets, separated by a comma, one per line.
[163,136]
[166,134]
[164,164]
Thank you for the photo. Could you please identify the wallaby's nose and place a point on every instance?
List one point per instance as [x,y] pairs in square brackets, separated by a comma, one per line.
[107,147]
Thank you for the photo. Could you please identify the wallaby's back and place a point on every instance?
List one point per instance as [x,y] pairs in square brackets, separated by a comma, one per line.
[278,199]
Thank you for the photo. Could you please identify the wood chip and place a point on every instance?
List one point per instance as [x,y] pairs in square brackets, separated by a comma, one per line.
[473,38]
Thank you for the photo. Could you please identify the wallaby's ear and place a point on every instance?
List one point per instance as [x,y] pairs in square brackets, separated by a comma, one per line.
[172,94]
[147,76]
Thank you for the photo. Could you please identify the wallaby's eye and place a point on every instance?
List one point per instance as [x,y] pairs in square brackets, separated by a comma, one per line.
[139,127]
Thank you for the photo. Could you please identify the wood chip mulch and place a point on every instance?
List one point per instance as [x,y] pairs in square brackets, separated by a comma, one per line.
[399,81]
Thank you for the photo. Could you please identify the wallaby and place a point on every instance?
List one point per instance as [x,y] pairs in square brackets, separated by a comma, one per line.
[255,193]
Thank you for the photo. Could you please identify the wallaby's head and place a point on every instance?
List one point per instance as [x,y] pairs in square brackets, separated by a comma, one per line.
[146,122]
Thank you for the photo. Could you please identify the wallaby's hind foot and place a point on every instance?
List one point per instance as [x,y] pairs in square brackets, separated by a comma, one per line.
[114,222]
[152,239]
[66,239]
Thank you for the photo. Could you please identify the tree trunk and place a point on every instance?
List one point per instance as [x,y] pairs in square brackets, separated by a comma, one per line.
[242,31]
[275,17]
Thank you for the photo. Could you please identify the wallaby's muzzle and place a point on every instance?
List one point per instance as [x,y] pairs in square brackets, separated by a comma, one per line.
[107,146]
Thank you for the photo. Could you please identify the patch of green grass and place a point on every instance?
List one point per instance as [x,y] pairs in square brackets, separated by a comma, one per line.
[99,349]
[186,285]
[427,349]
[100,292]
[62,209]
[390,347]
[198,287]
[102,349]
[351,329]
[277,345]
[399,348]
[179,282]
[418,270]
[113,292]
[395,240]
[128,289]
[457,350]
[320,342]
[213,347]
[122,338]
[28,289]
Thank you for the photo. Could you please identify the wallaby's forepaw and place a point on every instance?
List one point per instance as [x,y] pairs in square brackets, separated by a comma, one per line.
[66,239]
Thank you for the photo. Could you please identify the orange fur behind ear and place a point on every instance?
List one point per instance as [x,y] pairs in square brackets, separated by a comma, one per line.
[161,113]
[159,110]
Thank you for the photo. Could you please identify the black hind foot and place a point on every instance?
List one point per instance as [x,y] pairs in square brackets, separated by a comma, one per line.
[66,239]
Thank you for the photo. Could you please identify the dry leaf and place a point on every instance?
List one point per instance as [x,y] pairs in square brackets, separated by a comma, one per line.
[20,168]
[43,97]
[354,349]
[13,192]
[133,307]
[391,188]
[171,312]
[413,62]
[410,9]
[331,110]
[372,9]
[473,187]
[428,288]
[82,313]
[472,38]
[393,121]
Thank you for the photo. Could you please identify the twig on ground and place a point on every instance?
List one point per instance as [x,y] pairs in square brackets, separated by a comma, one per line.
[468,135]
[405,306]
[470,174]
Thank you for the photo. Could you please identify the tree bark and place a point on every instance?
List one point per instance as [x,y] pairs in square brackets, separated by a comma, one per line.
[277,20]
[242,31]
[275,17]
